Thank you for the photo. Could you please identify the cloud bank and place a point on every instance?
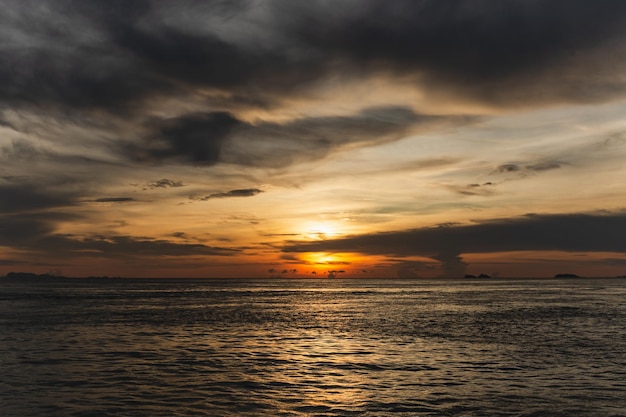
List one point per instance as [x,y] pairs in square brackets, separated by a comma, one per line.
[567,232]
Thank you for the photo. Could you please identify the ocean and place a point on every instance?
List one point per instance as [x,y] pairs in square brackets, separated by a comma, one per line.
[313,347]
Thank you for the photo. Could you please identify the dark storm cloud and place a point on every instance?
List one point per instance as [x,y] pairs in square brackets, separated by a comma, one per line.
[25,229]
[196,138]
[25,197]
[115,55]
[30,212]
[568,232]
[103,54]
[215,137]
[310,138]
[505,52]
[52,63]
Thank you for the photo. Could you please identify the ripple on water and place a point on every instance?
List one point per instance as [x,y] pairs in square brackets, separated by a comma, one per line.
[375,348]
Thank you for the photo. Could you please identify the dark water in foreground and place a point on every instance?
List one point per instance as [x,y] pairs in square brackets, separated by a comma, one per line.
[313,348]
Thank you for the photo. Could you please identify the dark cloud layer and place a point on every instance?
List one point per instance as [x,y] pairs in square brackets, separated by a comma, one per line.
[215,137]
[123,56]
[502,52]
[28,197]
[126,246]
[36,234]
[197,138]
[572,232]
[116,54]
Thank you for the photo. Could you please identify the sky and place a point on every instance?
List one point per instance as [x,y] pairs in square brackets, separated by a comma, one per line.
[293,138]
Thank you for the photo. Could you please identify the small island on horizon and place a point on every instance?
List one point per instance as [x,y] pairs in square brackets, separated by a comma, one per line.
[59,276]
[49,275]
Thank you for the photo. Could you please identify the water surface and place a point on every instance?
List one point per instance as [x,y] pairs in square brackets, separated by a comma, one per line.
[313,348]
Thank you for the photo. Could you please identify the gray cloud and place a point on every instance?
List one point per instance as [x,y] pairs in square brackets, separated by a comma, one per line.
[115,55]
[220,137]
[545,166]
[22,230]
[113,200]
[35,234]
[568,232]
[126,246]
[524,169]
[246,192]
[196,138]
[507,168]
[163,183]
[16,198]
[508,52]
[484,189]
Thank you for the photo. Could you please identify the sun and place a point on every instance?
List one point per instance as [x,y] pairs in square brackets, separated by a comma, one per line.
[319,230]
[322,258]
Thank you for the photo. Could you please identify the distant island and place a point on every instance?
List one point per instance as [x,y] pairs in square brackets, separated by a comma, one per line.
[479,276]
[50,276]
[31,275]
[566,276]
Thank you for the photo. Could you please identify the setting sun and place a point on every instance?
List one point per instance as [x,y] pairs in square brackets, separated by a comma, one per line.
[323,258]
[320,231]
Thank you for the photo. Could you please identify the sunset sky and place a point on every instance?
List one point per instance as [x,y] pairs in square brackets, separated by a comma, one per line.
[404,138]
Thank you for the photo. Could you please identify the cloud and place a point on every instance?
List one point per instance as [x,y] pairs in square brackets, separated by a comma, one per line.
[507,168]
[115,56]
[131,246]
[24,229]
[485,189]
[506,53]
[113,200]
[545,166]
[505,173]
[565,232]
[195,138]
[17,198]
[246,192]
[163,183]
[213,137]
[110,246]
[118,56]
[525,169]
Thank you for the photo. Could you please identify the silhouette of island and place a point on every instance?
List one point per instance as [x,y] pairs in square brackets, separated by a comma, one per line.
[479,276]
[49,276]
[31,275]
[566,276]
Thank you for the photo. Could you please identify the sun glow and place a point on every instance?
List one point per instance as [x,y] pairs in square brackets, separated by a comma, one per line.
[323,258]
[320,231]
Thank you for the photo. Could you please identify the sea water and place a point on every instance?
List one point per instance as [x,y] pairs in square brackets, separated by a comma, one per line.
[313,347]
